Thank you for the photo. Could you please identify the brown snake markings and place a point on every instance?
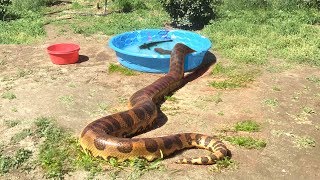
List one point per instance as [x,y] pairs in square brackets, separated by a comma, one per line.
[106,137]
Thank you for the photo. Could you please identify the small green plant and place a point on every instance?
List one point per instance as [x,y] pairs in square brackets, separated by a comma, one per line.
[170,98]
[247,125]
[220,113]
[8,163]
[11,123]
[276,88]
[217,98]
[308,110]
[21,135]
[304,142]
[22,73]
[247,142]
[117,68]
[225,163]
[66,99]
[271,102]
[234,79]
[314,79]
[8,95]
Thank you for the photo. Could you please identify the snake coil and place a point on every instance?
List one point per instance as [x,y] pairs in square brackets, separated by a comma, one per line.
[107,137]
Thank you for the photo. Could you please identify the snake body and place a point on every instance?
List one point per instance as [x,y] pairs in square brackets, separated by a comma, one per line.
[108,136]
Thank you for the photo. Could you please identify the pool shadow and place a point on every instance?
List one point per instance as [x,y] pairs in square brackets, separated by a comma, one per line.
[82,58]
[208,60]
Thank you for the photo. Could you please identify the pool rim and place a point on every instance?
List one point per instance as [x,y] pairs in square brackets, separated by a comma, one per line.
[160,56]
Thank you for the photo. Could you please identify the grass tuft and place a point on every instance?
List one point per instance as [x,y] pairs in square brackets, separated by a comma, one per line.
[225,163]
[8,95]
[247,142]
[21,135]
[248,125]
[120,69]
[304,142]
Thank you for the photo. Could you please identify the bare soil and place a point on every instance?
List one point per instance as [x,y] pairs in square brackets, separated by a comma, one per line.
[79,93]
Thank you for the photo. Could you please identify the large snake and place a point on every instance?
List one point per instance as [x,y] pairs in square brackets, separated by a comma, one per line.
[108,136]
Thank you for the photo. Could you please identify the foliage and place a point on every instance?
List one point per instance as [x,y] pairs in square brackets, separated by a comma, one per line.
[118,68]
[247,125]
[4,8]
[247,142]
[129,5]
[195,13]
[270,4]
[8,163]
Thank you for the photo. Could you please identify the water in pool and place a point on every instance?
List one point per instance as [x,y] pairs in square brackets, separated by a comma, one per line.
[164,45]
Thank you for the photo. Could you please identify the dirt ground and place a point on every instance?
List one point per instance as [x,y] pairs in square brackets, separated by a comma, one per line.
[75,94]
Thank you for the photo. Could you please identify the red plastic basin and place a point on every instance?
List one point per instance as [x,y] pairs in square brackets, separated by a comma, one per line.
[64,53]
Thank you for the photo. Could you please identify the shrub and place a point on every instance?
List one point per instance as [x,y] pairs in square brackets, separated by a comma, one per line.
[4,8]
[129,5]
[195,13]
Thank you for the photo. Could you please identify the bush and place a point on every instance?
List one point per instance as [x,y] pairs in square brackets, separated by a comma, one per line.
[195,13]
[129,5]
[4,8]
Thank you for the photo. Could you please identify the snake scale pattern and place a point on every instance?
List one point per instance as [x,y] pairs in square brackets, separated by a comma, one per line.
[109,136]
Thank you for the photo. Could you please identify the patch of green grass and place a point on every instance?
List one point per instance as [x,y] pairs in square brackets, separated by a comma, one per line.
[224,164]
[8,95]
[21,135]
[11,123]
[2,62]
[103,106]
[304,142]
[120,69]
[309,110]
[232,76]
[170,98]
[253,36]
[247,142]
[314,79]
[22,73]
[21,31]
[8,163]
[276,88]
[150,17]
[54,155]
[271,102]
[220,113]
[247,125]
[66,99]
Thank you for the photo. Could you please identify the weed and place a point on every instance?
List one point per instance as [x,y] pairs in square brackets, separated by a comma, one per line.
[22,73]
[225,163]
[248,125]
[21,135]
[103,107]
[66,99]
[247,142]
[220,113]
[276,88]
[14,109]
[170,98]
[2,62]
[7,163]
[217,98]
[304,142]
[11,123]
[120,69]
[8,95]
[234,79]
[314,79]
[271,102]
[308,110]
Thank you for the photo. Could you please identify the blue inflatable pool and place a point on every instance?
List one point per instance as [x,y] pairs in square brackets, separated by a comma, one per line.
[130,55]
